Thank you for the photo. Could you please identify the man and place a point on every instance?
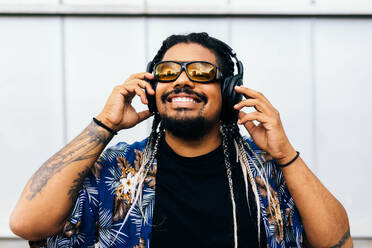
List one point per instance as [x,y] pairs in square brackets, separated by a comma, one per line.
[195,182]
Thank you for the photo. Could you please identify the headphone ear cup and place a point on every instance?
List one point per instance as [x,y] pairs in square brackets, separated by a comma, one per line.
[230,97]
[151,99]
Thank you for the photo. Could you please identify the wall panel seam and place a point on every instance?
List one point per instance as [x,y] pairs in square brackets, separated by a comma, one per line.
[315,165]
[63,79]
[147,55]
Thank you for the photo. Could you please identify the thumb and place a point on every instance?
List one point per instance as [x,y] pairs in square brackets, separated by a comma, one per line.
[249,125]
[143,115]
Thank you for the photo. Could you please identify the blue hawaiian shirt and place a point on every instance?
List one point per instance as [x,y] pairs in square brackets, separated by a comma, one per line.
[100,213]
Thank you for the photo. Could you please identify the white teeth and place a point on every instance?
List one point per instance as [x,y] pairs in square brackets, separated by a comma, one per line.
[182,99]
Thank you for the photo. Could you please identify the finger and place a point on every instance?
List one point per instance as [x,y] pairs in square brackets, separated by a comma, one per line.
[143,115]
[250,93]
[141,83]
[146,85]
[259,105]
[142,75]
[133,89]
[139,91]
[127,94]
[249,125]
[254,116]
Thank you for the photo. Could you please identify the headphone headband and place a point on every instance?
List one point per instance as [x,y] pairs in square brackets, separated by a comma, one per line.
[232,53]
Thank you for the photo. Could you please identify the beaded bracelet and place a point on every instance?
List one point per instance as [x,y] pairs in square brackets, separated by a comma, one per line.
[290,162]
[104,126]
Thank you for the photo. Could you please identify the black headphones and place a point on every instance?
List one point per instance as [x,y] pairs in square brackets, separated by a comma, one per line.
[229,96]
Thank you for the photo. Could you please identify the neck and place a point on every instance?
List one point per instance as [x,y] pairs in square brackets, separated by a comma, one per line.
[193,148]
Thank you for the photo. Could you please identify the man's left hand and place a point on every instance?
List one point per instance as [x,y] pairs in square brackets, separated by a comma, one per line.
[269,134]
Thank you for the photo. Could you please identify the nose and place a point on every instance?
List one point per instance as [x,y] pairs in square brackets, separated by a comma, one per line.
[183,80]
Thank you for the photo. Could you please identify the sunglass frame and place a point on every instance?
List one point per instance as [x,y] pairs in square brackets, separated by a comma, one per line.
[217,75]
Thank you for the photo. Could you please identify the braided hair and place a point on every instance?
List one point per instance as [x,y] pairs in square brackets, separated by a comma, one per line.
[232,141]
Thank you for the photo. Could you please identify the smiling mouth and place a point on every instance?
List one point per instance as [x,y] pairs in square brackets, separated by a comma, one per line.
[183,95]
[182,99]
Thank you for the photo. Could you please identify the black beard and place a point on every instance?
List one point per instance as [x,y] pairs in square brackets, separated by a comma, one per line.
[190,129]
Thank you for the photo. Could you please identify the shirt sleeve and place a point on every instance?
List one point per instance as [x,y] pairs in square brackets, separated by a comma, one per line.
[80,228]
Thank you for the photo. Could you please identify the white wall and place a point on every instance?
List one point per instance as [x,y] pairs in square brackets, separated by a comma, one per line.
[31,106]
[343,107]
[56,73]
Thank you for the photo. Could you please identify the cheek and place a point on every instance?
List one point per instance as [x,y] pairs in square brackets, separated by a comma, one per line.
[216,97]
[218,104]
[158,93]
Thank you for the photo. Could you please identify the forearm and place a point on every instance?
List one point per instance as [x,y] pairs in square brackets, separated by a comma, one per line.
[324,219]
[51,192]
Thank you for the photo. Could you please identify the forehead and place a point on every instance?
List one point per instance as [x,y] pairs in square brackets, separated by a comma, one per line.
[189,52]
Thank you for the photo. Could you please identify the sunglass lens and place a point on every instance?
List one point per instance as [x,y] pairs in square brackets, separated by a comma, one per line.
[167,71]
[201,71]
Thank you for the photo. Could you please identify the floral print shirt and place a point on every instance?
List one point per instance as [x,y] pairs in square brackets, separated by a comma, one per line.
[100,213]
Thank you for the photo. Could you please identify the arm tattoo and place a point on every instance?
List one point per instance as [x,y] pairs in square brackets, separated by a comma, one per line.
[75,188]
[342,240]
[79,149]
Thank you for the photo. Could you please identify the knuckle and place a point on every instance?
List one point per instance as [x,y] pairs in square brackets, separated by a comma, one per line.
[245,102]
[259,93]
[253,115]
[133,75]
[139,91]
[117,88]
[276,120]
[142,83]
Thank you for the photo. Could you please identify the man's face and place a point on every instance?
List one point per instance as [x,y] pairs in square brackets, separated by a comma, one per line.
[187,101]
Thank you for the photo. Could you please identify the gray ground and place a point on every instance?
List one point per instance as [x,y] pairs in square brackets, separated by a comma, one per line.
[18,243]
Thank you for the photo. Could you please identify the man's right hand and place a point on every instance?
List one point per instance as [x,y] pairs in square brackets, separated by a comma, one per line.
[118,112]
[60,178]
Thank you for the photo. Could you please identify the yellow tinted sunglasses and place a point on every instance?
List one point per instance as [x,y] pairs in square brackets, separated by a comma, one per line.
[196,71]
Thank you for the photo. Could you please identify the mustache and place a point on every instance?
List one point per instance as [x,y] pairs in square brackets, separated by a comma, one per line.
[188,91]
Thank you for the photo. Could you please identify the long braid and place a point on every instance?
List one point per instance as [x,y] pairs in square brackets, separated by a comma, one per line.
[245,165]
[148,158]
[232,138]
[149,154]
[226,144]
[245,159]
[264,177]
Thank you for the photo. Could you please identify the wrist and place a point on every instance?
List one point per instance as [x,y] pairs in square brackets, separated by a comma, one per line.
[102,125]
[286,156]
[105,121]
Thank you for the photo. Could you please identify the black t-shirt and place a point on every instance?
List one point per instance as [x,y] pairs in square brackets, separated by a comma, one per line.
[193,206]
